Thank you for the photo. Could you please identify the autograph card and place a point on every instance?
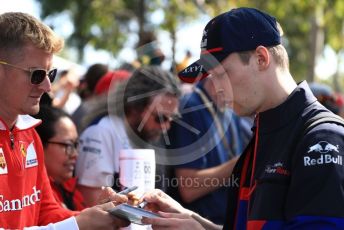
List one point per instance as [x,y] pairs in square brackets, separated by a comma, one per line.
[133,214]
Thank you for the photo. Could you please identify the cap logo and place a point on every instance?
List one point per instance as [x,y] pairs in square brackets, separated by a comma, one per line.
[204,39]
[192,69]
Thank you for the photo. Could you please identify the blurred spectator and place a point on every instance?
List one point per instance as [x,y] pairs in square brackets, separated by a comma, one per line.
[86,92]
[130,67]
[142,109]
[186,88]
[111,78]
[185,62]
[99,98]
[148,50]
[325,96]
[64,95]
[225,137]
[60,141]
[340,103]
[91,78]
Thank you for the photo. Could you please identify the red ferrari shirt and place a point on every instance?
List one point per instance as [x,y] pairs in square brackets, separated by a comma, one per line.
[26,198]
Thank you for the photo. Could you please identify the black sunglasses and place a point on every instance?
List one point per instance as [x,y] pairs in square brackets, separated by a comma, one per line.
[69,147]
[162,118]
[37,76]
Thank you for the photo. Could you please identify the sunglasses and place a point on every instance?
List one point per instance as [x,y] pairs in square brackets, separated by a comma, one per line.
[37,76]
[162,118]
[69,147]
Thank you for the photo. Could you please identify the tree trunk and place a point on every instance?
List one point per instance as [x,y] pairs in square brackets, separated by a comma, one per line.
[141,12]
[81,53]
[317,41]
[336,84]
[174,41]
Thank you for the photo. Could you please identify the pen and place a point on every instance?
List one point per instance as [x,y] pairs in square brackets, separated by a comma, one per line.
[142,204]
[128,190]
[123,192]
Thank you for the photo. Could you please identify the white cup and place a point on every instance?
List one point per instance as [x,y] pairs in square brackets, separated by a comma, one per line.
[137,168]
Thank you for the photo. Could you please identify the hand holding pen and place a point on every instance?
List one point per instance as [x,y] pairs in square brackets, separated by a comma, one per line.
[108,194]
[127,190]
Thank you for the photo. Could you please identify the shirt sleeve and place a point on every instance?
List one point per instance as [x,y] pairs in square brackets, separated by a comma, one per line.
[316,192]
[95,165]
[69,223]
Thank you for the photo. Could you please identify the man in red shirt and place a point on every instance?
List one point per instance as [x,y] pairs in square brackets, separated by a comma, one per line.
[26,199]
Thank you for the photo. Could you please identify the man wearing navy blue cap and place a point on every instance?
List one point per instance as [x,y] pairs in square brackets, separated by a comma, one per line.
[291,174]
[238,30]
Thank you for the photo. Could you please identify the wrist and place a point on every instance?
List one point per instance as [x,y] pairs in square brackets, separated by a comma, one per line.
[82,224]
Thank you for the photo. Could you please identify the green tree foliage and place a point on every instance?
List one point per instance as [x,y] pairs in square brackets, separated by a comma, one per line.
[334,35]
[297,19]
[179,12]
[104,23]
[293,16]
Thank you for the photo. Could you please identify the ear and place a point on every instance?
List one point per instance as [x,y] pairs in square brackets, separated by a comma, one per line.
[263,57]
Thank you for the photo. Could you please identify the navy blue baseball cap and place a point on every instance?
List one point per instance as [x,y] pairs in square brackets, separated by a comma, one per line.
[240,29]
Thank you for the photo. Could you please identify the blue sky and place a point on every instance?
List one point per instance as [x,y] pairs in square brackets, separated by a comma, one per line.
[26,6]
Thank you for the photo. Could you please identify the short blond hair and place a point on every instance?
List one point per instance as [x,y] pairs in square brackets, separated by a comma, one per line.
[278,53]
[17,29]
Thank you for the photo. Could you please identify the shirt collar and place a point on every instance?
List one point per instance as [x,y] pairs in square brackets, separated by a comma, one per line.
[281,115]
[23,122]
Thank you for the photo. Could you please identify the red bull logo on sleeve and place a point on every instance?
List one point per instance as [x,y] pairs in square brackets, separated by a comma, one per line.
[323,147]
[328,154]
